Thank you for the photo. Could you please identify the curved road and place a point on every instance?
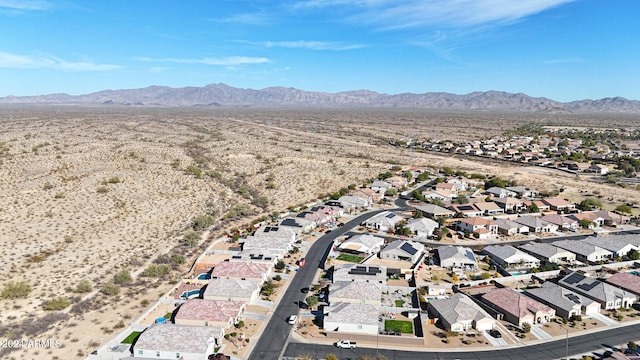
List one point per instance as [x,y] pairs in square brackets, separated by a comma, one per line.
[274,338]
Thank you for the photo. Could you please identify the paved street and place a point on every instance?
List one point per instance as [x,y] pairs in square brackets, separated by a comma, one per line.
[276,333]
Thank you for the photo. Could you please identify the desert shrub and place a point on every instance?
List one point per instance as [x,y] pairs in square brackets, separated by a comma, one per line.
[156,270]
[331,357]
[15,290]
[193,170]
[114,180]
[178,259]
[84,286]
[47,186]
[102,190]
[191,238]
[56,303]
[111,289]
[202,222]
[122,277]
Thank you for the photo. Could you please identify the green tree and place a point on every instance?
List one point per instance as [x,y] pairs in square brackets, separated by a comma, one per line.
[533,208]
[122,277]
[589,204]
[156,270]
[418,214]
[585,223]
[461,199]
[384,175]
[268,289]
[202,222]
[632,346]
[495,182]
[191,238]
[633,254]
[280,265]
[423,176]
[178,259]
[526,327]
[15,290]
[312,301]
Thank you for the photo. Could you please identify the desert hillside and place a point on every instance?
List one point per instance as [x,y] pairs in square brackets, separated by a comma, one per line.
[88,192]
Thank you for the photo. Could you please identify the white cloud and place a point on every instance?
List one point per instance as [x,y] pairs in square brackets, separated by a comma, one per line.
[245,18]
[391,14]
[310,45]
[223,61]
[18,61]
[568,60]
[25,5]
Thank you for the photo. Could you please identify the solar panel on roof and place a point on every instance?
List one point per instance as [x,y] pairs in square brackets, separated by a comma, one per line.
[573,278]
[465,207]
[573,297]
[390,215]
[406,247]
[589,286]
[236,257]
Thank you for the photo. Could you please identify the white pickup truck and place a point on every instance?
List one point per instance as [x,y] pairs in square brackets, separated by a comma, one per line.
[346,344]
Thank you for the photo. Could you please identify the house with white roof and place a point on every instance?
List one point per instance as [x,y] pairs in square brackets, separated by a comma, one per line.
[476,225]
[422,227]
[522,191]
[562,222]
[351,318]
[456,257]
[276,231]
[298,225]
[509,257]
[242,271]
[460,314]
[232,290]
[380,186]
[359,273]
[432,211]
[508,227]
[403,250]
[356,292]
[548,252]
[535,225]
[498,192]
[354,202]
[618,246]
[278,245]
[509,204]
[362,244]
[169,341]
[383,221]
[584,251]
[609,296]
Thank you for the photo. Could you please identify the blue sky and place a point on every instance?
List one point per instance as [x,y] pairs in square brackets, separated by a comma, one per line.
[561,49]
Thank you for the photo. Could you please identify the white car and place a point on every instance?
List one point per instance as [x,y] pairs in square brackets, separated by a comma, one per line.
[292,319]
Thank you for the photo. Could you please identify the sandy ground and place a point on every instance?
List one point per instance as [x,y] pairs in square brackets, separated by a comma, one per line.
[86,192]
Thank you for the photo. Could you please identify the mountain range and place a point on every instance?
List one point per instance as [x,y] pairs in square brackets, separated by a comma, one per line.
[215,95]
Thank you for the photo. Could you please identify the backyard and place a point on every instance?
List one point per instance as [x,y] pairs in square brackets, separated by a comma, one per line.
[404,326]
[350,258]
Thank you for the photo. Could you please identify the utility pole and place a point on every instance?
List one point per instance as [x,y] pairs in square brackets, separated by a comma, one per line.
[566,348]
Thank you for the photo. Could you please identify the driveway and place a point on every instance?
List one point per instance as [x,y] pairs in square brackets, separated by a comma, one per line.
[494,341]
[537,331]
[604,319]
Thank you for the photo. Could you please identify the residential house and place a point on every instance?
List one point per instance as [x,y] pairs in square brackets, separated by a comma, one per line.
[626,281]
[609,296]
[548,252]
[432,211]
[380,186]
[403,250]
[489,208]
[362,244]
[169,341]
[510,204]
[397,182]
[510,257]
[200,312]
[364,273]
[613,219]
[565,302]
[241,271]
[353,202]
[542,206]
[276,231]
[617,245]
[257,255]
[601,169]
[366,194]
[351,318]
[535,225]
[440,194]
[558,204]
[457,257]
[384,221]
[565,223]
[522,191]
[459,185]
[466,210]
[460,314]
[517,308]
[498,192]
[232,290]
[585,252]
[277,245]
[508,227]
[422,228]
[356,292]
[593,217]
[298,225]
[473,225]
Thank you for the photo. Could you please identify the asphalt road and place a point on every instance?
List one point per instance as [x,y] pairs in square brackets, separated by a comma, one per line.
[274,338]
[588,343]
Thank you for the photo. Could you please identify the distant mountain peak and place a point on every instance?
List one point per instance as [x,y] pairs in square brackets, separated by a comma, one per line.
[220,94]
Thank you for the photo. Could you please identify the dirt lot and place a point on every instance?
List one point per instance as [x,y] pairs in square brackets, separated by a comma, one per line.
[88,192]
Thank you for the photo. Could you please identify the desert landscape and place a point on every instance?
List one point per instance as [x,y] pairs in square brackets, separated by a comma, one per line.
[88,193]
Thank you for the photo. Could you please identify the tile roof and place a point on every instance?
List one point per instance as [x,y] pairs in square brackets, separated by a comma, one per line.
[580,247]
[362,243]
[559,296]
[246,270]
[356,290]
[459,308]
[178,338]
[593,288]
[209,310]
[514,302]
[626,281]
[558,219]
[543,249]
[231,288]
[508,254]
[348,313]
[350,272]
[458,253]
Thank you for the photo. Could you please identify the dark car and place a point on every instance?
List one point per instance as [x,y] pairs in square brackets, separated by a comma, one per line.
[304,290]
[495,333]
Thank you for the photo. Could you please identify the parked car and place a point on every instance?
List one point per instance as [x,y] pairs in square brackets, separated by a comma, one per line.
[293,319]
[346,344]
[304,290]
[495,333]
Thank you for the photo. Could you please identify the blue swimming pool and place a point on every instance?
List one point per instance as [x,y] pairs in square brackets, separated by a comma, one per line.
[636,273]
[190,294]
[205,276]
